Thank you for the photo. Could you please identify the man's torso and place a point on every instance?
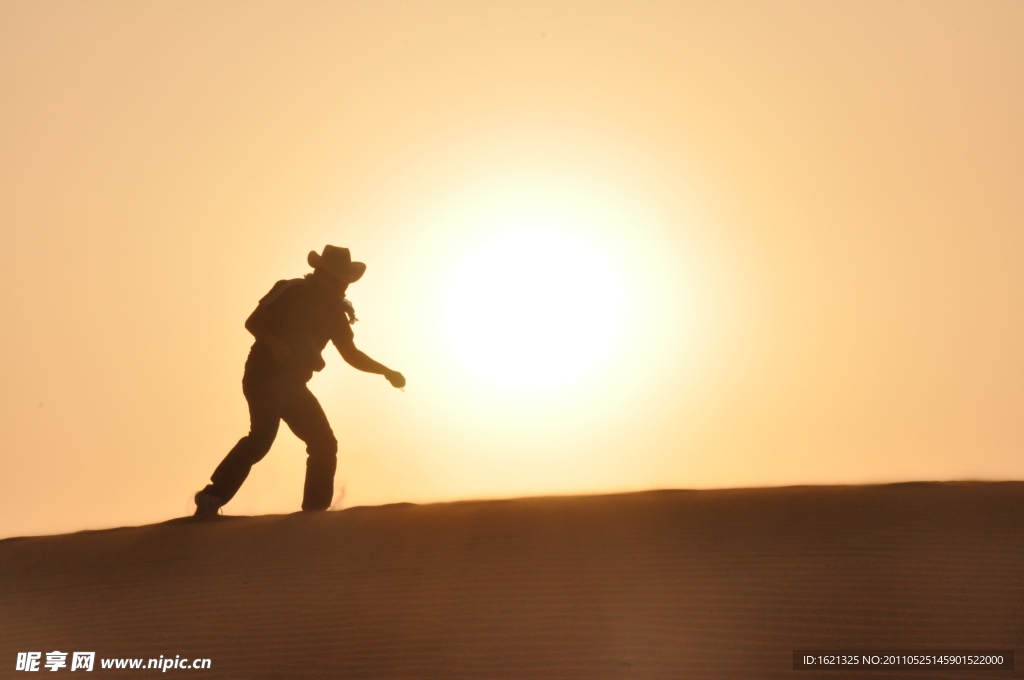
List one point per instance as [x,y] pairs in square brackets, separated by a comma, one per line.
[304,317]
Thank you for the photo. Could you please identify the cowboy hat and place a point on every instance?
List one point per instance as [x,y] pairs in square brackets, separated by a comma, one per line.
[338,262]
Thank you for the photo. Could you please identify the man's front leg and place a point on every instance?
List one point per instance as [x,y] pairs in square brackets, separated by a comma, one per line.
[307,420]
[318,491]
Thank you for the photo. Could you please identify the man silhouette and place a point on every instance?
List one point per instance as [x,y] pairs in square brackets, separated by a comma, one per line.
[292,325]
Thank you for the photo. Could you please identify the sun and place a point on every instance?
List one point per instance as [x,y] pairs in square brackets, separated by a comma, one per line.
[534,308]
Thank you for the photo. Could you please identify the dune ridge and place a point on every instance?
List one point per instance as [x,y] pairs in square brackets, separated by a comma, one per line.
[659,584]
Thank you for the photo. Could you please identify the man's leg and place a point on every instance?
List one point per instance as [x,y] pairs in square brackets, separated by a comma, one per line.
[264,419]
[305,417]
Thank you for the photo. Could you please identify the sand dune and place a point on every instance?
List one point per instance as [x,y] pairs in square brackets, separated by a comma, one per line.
[661,584]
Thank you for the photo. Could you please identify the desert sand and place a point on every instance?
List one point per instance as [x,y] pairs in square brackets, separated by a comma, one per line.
[660,584]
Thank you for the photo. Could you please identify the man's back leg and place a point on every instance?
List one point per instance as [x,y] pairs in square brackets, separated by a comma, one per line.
[264,421]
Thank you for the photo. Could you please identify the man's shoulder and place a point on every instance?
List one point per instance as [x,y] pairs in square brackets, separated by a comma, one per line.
[285,288]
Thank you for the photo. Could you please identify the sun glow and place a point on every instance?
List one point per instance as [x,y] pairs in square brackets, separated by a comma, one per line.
[534,308]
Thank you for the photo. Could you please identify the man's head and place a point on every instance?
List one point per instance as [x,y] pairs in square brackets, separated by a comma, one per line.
[335,268]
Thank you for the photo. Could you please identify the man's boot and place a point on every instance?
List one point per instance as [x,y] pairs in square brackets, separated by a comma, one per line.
[207,505]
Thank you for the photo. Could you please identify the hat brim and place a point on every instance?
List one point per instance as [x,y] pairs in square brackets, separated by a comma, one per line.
[356,271]
[350,274]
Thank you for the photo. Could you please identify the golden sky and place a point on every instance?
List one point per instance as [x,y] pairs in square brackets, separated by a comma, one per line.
[792,235]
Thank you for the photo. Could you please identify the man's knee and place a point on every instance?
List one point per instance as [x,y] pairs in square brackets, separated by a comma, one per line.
[258,442]
[324,447]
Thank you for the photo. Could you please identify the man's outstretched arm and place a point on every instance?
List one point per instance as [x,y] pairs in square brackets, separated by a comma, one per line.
[355,358]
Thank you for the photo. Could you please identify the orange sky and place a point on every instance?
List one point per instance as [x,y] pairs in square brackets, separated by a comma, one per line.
[815,210]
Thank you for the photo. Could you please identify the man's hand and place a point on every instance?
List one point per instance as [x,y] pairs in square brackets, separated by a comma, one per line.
[395,378]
